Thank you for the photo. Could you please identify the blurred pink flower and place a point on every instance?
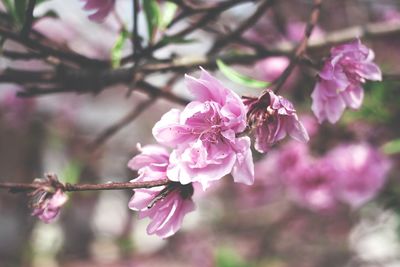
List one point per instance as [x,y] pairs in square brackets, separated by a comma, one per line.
[352,174]
[165,206]
[55,29]
[339,85]
[360,172]
[17,111]
[274,118]
[272,67]
[100,8]
[312,186]
[295,31]
[49,205]
[267,183]
[203,135]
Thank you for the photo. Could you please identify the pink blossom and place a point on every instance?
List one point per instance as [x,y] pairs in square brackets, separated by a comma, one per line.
[204,135]
[312,186]
[100,8]
[49,205]
[165,206]
[267,185]
[360,172]
[17,111]
[272,67]
[56,30]
[274,117]
[307,179]
[340,80]
[295,31]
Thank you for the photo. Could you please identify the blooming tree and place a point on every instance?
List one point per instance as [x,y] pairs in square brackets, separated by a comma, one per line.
[217,132]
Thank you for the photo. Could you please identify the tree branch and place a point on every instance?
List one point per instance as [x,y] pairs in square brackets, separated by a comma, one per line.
[220,43]
[22,187]
[301,48]
[26,28]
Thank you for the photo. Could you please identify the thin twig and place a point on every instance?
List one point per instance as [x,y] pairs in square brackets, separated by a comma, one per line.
[131,116]
[223,41]
[111,130]
[21,187]
[301,48]
[135,44]
[50,51]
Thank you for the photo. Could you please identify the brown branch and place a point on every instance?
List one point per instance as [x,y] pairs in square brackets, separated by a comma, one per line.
[135,35]
[301,48]
[52,51]
[26,28]
[128,118]
[210,15]
[21,56]
[143,86]
[21,187]
[110,131]
[67,79]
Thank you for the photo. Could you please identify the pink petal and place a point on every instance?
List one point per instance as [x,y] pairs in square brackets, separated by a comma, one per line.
[243,170]
[169,132]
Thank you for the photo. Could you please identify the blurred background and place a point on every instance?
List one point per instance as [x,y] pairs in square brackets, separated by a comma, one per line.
[274,223]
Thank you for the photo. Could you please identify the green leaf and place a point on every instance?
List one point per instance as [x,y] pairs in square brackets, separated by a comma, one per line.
[20,8]
[116,52]
[226,257]
[72,172]
[168,14]
[239,78]
[392,147]
[9,5]
[153,17]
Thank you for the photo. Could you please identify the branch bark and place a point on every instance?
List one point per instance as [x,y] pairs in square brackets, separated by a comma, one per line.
[22,187]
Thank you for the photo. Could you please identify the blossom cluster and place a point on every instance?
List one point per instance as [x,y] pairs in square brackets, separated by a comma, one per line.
[48,199]
[350,174]
[340,81]
[99,9]
[208,141]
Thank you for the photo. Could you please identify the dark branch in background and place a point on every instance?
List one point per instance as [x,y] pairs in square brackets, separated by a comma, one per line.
[261,10]
[113,129]
[76,73]
[21,187]
[52,51]
[26,28]
[135,35]
[129,117]
[209,15]
[135,44]
[94,80]
[301,48]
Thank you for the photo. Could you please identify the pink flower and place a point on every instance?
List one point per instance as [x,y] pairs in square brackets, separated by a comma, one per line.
[274,117]
[204,135]
[17,111]
[49,205]
[267,185]
[100,8]
[165,206]
[272,67]
[360,172]
[295,31]
[56,30]
[312,186]
[339,85]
